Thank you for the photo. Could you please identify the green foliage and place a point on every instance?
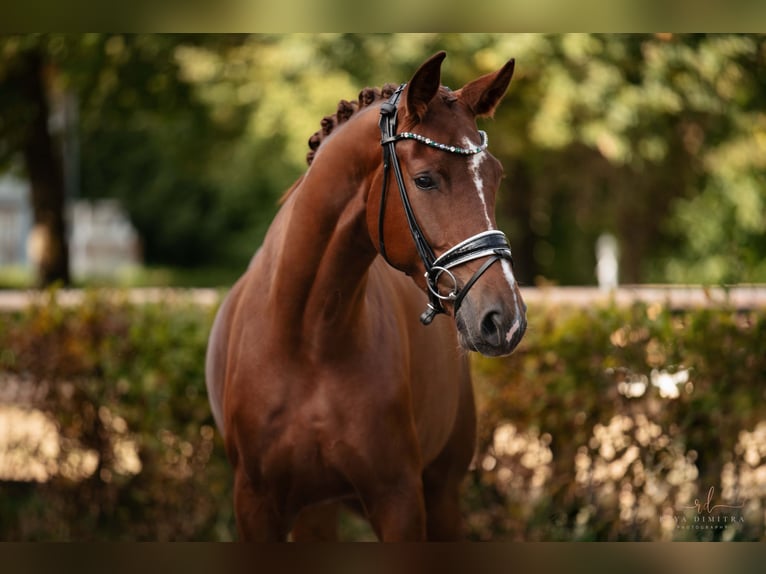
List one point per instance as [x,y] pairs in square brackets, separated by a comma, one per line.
[124,383]
[655,138]
[149,139]
[608,424]
[583,434]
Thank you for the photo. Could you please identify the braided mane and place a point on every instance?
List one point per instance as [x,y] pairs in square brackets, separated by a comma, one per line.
[345,110]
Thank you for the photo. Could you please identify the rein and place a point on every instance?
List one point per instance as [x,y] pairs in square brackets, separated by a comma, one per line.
[491,243]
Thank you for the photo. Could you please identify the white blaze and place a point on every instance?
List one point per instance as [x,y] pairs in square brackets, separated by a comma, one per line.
[474,165]
[508,274]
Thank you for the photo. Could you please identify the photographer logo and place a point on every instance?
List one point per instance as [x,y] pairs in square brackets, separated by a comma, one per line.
[710,516]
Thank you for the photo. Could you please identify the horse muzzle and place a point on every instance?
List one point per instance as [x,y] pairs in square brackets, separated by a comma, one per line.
[494,328]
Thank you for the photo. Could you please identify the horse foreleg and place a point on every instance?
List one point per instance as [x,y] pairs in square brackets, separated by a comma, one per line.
[442,497]
[258,519]
[397,513]
[317,523]
[443,478]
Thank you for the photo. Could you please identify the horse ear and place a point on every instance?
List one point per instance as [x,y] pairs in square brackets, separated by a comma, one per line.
[484,94]
[423,86]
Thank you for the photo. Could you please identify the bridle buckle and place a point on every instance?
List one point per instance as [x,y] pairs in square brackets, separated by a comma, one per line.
[432,280]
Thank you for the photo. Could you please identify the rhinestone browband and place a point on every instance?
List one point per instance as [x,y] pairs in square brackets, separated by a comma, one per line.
[444,147]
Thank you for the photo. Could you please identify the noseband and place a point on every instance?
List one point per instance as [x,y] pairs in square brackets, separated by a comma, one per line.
[492,243]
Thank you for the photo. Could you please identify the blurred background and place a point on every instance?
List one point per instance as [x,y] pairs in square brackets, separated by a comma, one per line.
[136,161]
[173,149]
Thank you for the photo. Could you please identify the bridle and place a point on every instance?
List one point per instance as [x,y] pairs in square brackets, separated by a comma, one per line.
[491,243]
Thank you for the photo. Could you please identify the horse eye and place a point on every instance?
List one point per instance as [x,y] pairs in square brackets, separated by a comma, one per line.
[424,182]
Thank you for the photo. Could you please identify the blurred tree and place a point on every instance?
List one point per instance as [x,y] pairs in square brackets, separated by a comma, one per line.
[25,75]
[149,140]
[658,139]
[144,136]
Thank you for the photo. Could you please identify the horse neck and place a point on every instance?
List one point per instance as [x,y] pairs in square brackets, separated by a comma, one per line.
[324,245]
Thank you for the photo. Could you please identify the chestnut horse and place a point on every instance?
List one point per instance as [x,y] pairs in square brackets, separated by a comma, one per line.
[324,383]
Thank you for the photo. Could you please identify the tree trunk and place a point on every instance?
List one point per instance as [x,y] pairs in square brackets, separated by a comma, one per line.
[48,242]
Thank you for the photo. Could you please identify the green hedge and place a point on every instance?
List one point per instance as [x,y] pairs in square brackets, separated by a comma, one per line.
[118,374]
[576,440]
[585,435]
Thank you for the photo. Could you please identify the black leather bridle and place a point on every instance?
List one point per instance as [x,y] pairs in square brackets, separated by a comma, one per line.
[493,243]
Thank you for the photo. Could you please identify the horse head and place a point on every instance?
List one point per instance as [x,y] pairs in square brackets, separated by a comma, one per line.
[441,229]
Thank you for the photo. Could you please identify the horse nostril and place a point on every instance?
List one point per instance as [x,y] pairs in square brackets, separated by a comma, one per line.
[492,329]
